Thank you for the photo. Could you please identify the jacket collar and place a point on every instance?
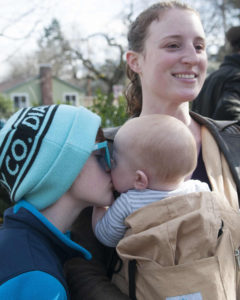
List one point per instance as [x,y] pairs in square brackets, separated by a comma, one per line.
[25,215]
[221,125]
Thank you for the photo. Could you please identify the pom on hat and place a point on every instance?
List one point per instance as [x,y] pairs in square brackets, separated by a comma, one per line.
[233,34]
[43,149]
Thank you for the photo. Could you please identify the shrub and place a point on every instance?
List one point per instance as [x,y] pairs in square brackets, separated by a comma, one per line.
[6,107]
[112,111]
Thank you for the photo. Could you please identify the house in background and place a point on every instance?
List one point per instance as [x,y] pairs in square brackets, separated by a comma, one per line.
[43,89]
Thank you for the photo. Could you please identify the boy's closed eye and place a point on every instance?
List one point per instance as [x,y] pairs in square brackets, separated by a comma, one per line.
[100,156]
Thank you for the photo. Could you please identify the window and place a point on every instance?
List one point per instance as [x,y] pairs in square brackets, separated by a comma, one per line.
[71,98]
[20,100]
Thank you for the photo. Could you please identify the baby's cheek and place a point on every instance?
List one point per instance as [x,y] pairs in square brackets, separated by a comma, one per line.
[114,177]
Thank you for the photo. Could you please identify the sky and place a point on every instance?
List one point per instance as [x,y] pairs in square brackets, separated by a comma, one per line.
[22,18]
[77,17]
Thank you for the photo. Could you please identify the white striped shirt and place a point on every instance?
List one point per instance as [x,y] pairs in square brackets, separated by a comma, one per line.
[111,228]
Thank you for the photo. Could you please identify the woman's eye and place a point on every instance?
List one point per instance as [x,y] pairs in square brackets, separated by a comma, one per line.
[200,47]
[173,46]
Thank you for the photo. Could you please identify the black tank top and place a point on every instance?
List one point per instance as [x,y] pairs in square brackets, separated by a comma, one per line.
[200,172]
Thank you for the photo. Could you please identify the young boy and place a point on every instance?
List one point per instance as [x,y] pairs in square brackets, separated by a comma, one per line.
[152,157]
[48,155]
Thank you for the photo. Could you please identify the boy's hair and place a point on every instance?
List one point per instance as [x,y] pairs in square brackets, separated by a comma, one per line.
[43,149]
[160,145]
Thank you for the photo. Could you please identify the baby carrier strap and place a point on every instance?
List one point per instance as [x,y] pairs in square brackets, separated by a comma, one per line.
[227,137]
[132,267]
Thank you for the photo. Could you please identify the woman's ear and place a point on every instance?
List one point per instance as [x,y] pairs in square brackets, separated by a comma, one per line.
[133,61]
[141,180]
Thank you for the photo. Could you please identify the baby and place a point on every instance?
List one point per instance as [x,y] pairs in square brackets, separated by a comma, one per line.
[153,156]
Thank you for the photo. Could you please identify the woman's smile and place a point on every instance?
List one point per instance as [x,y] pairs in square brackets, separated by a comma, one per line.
[185,75]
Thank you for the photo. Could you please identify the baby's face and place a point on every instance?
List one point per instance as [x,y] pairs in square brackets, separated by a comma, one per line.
[121,172]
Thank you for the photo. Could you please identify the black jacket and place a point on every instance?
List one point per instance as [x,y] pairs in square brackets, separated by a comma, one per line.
[220,95]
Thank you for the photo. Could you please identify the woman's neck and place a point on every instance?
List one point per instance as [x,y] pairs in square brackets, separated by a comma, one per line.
[195,128]
[179,111]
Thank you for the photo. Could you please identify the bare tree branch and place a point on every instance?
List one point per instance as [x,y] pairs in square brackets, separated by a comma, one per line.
[109,78]
[30,32]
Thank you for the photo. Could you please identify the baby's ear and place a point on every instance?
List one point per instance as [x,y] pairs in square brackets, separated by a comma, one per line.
[141,180]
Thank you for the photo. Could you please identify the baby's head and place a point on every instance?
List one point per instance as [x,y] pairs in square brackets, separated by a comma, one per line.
[154,151]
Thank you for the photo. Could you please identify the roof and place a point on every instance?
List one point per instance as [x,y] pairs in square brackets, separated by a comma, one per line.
[5,85]
[68,83]
[9,85]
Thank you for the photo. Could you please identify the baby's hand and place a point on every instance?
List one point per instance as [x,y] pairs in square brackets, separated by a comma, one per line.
[98,213]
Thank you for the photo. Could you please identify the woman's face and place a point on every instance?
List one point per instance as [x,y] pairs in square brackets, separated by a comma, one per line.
[173,64]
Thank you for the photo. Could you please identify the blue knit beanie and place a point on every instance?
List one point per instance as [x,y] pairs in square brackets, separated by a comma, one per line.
[43,149]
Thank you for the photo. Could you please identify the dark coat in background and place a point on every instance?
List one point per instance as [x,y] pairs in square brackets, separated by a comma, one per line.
[220,95]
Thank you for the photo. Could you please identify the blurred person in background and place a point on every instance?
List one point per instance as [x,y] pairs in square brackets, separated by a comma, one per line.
[220,96]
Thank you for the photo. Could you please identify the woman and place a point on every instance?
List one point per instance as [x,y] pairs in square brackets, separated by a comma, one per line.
[167,64]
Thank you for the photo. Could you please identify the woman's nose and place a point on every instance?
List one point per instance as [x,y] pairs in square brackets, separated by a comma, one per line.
[190,56]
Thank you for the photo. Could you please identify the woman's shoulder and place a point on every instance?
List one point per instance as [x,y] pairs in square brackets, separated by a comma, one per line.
[227,137]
